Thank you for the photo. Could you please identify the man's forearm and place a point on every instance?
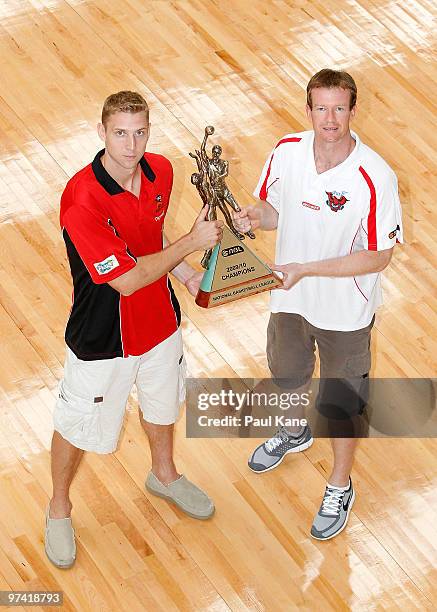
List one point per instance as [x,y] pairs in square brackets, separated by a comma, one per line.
[151,267]
[355,264]
[182,271]
[268,216]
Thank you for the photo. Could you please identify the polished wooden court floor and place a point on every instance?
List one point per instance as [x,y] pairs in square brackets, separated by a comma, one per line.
[242,66]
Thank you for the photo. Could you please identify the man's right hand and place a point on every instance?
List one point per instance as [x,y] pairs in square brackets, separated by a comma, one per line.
[247,219]
[205,234]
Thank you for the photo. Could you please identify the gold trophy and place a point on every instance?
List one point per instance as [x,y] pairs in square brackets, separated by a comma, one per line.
[232,270]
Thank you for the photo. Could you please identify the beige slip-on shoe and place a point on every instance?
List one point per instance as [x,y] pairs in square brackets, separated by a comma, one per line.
[60,545]
[185,494]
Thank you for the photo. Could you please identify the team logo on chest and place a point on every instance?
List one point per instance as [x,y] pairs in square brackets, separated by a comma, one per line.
[159,207]
[336,200]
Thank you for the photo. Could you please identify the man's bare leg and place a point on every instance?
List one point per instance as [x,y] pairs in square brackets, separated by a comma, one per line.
[344,451]
[161,447]
[190,499]
[65,459]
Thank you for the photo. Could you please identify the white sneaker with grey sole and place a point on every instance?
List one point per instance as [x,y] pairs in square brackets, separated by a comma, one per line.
[334,511]
[270,454]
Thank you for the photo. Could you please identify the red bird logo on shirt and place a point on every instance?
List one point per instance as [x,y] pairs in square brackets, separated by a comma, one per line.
[159,207]
[335,202]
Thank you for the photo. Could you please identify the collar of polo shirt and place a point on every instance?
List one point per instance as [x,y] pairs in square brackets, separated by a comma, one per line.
[110,184]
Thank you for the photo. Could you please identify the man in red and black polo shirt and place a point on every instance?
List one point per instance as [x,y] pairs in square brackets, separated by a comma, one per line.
[123,327]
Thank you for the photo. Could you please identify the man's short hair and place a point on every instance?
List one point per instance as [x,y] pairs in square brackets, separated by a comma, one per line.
[332,78]
[124,102]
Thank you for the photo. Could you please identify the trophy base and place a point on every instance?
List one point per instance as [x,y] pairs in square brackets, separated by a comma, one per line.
[215,298]
[234,272]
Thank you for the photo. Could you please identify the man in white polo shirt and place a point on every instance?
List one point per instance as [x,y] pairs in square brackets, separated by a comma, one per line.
[335,205]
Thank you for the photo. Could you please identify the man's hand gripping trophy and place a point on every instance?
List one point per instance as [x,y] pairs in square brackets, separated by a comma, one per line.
[211,185]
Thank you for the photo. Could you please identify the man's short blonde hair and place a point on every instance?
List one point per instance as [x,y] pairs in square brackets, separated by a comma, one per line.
[332,78]
[124,102]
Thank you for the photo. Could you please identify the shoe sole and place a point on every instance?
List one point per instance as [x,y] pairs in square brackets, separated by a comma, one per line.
[344,524]
[299,449]
[171,500]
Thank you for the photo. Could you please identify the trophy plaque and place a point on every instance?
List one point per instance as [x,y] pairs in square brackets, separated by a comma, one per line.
[232,270]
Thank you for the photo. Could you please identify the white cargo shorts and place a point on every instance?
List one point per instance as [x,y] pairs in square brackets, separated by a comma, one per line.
[90,408]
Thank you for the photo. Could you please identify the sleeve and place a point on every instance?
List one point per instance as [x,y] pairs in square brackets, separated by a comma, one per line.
[104,254]
[269,184]
[382,223]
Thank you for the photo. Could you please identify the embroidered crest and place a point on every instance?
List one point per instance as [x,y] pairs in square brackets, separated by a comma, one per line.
[336,200]
[159,207]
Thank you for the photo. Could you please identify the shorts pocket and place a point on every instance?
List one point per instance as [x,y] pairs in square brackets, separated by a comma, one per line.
[357,365]
[77,419]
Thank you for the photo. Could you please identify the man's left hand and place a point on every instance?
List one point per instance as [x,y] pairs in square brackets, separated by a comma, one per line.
[292,274]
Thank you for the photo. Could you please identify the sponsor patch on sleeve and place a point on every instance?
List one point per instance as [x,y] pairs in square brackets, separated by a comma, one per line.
[108,264]
[394,232]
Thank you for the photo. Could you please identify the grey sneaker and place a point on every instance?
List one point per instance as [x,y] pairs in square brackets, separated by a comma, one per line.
[269,454]
[185,494]
[333,513]
[59,542]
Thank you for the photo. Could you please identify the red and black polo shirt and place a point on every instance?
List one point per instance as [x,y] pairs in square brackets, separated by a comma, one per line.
[106,229]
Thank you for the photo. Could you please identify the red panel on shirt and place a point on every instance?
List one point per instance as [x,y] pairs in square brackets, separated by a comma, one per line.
[372,244]
[263,190]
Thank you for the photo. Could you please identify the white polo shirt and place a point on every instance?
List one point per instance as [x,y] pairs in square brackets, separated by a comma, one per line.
[351,207]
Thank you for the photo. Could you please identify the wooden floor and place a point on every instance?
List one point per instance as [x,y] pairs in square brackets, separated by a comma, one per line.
[242,66]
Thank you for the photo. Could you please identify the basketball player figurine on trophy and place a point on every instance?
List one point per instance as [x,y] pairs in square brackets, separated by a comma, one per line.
[233,271]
